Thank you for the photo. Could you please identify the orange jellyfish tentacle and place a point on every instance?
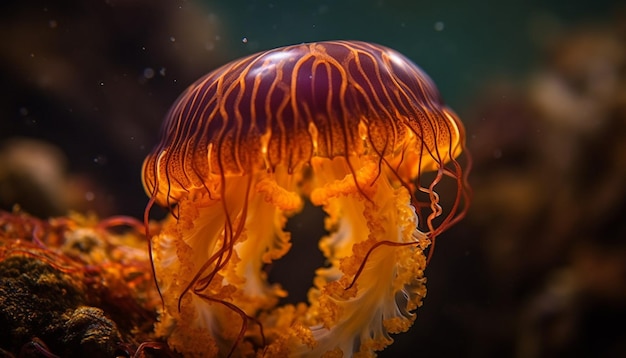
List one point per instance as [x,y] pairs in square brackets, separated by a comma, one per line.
[146,224]
[356,182]
[369,253]
[200,283]
[121,220]
[380,155]
[463,191]
[244,318]
[218,259]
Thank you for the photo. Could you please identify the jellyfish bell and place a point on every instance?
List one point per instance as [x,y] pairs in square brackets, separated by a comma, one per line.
[352,127]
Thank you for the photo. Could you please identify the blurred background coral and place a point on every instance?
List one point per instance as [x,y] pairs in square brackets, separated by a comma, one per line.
[537,269]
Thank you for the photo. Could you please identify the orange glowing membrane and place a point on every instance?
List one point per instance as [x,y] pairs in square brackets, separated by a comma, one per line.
[351,126]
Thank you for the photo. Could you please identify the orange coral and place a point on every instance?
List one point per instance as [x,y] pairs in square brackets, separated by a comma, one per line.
[88,285]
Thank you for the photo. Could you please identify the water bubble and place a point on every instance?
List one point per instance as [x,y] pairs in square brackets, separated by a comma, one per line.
[90,196]
[439,26]
[100,159]
[148,72]
[172,39]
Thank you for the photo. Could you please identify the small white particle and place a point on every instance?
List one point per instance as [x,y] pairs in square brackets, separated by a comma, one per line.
[100,159]
[439,26]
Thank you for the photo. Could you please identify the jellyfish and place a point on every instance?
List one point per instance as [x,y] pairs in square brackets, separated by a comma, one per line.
[353,127]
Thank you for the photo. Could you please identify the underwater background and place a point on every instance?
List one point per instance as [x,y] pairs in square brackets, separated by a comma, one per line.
[537,268]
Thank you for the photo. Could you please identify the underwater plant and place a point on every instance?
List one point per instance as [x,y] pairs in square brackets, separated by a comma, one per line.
[353,127]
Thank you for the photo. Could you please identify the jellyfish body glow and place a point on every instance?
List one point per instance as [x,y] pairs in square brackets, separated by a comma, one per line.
[351,126]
